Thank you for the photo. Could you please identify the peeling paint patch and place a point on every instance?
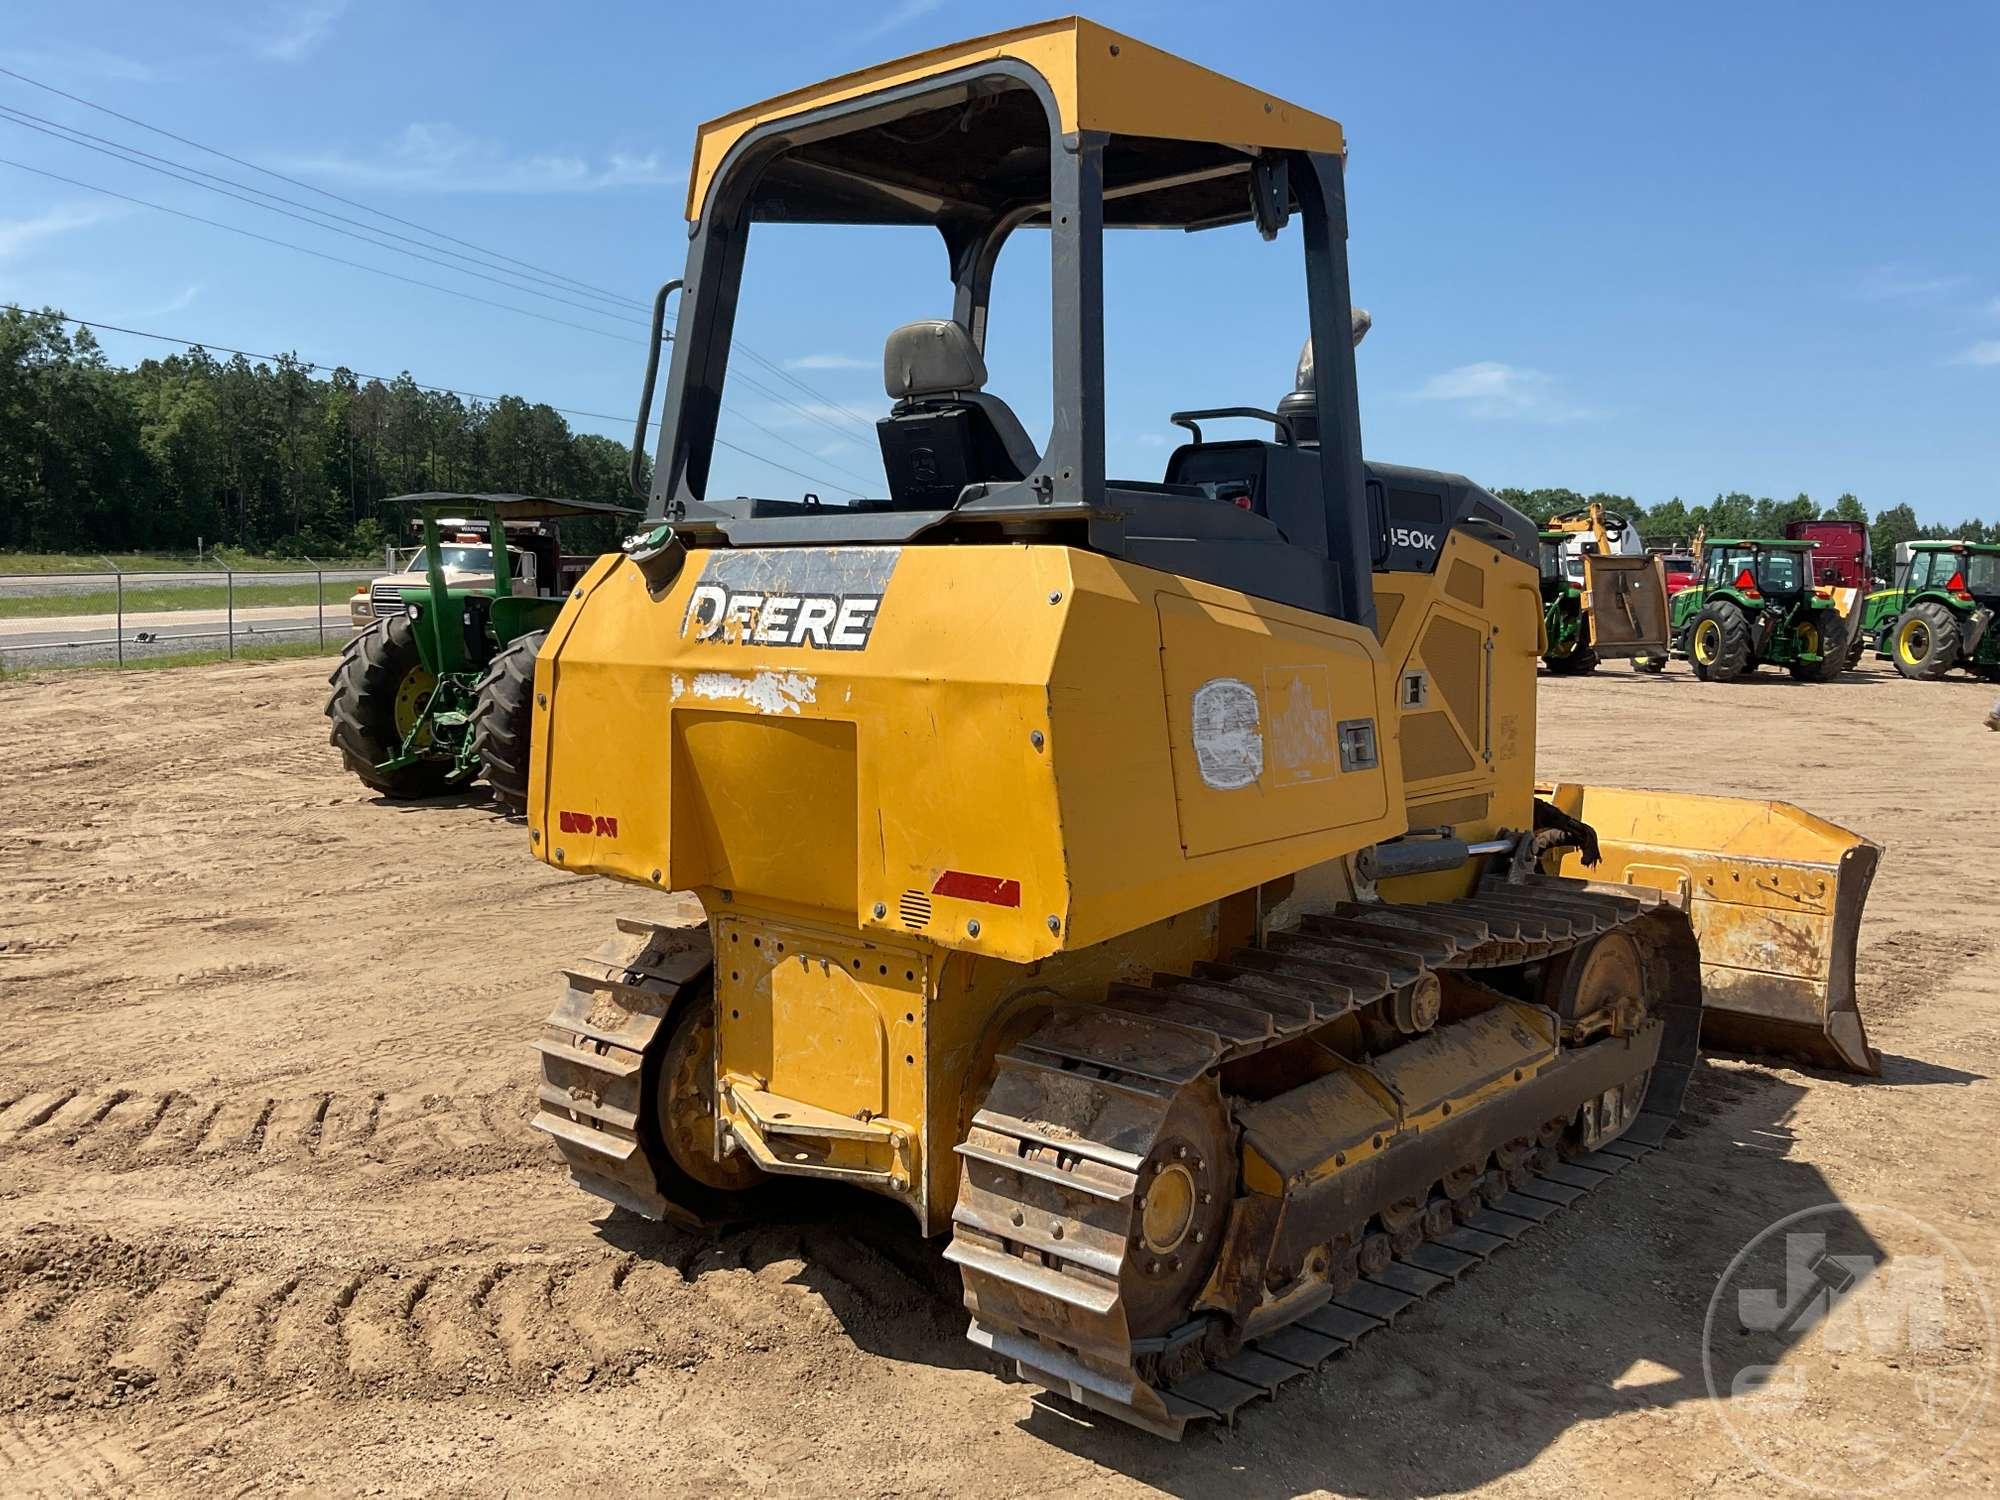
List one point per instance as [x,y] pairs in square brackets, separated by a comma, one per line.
[1228,739]
[1301,700]
[767,692]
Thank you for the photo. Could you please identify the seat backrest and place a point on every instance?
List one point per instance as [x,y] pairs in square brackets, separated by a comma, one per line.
[945,431]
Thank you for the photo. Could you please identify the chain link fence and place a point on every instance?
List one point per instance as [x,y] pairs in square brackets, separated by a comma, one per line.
[123,618]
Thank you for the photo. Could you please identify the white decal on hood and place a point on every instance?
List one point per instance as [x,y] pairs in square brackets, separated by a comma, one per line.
[1228,740]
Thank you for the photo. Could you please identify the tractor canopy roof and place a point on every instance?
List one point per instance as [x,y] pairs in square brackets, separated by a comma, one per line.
[980,148]
[1953,545]
[1771,544]
[511,507]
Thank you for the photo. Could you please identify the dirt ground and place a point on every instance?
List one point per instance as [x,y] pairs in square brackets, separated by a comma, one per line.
[271,1218]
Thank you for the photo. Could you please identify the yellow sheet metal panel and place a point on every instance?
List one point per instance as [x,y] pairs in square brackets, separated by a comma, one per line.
[1100,79]
[971,744]
[1125,715]
[1256,710]
[1464,688]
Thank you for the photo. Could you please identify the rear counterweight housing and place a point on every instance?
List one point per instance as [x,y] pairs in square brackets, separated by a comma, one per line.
[968,745]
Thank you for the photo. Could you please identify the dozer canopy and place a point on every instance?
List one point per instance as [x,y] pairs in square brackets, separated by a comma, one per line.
[1071,128]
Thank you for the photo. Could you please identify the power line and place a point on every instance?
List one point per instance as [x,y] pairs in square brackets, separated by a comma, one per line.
[442,390]
[181,213]
[120,153]
[813,414]
[492,255]
[295,182]
[315,217]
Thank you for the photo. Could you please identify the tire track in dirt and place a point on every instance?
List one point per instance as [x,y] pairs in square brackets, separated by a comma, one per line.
[120,1130]
[88,1319]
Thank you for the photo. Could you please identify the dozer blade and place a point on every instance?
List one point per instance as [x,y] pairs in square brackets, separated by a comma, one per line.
[1775,897]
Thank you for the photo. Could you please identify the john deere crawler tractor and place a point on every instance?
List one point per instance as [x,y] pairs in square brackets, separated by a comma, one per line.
[1939,613]
[1142,881]
[1755,604]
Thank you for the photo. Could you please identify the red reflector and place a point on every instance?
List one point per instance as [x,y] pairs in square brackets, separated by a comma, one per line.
[1747,581]
[989,889]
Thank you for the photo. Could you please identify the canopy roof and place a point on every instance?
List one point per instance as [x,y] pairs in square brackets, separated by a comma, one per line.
[1771,543]
[982,146]
[514,507]
[1953,544]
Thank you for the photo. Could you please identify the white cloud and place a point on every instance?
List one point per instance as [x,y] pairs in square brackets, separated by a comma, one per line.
[445,159]
[17,235]
[1492,390]
[1985,352]
[74,62]
[897,16]
[828,362]
[180,302]
[1901,283]
[296,28]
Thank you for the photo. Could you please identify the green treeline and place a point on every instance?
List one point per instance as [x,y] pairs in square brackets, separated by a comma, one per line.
[272,458]
[1738,514]
[268,457]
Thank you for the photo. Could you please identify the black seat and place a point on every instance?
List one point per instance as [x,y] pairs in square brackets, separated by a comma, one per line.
[945,431]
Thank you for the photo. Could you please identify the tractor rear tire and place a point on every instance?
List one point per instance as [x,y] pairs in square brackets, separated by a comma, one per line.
[1579,661]
[1719,643]
[380,682]
[503,719]
[1836,656]
[1652,664]
[1925,644]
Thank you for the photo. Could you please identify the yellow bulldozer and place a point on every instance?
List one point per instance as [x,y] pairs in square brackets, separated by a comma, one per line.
[1143,881]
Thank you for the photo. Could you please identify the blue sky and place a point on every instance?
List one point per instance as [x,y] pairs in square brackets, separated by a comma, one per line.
[1656,250]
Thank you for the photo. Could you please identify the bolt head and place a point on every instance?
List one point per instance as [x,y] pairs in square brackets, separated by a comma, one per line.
[534,835]
[972,928]
[1055,925]
[541,700]
[1181,1152]
[1019,1218]
[1035,738]
[559,854]
[656,877]
[1056,597]
[900,1183]
[881,910]
[1055,1229]
[1200,1236]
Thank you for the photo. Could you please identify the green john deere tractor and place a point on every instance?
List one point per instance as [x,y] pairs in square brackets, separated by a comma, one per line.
[1939,613]
[1754,603]
[436,689]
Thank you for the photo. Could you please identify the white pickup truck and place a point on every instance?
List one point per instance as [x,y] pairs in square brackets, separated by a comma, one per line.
[465,563]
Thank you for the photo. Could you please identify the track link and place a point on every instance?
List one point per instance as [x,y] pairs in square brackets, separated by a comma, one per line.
[594,1073]
[1049,1218]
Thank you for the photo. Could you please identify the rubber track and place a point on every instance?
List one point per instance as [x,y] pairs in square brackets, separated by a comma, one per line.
[1045,1212]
